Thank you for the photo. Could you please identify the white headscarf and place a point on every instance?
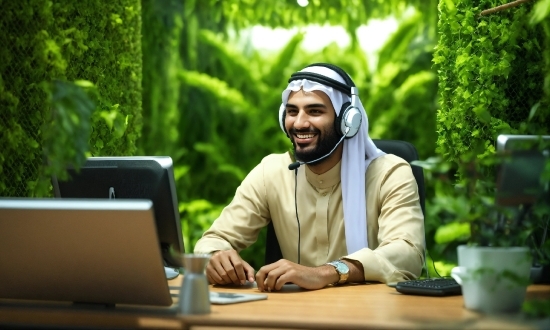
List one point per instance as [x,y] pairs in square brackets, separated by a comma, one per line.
[359,152]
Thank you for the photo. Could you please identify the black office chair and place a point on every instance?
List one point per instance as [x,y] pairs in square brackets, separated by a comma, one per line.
[402,149]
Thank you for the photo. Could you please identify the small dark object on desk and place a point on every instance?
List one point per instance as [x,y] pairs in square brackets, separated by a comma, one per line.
[430,287]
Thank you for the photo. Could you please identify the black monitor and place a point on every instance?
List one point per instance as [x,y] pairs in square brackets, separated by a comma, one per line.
[519,174]
[149,178]
[519,186]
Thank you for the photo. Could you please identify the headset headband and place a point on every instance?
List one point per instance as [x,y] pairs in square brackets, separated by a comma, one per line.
[340,71]
[344,88]
[322,80]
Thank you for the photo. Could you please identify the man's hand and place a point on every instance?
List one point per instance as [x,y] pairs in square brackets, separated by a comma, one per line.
[227,267]
[272,277]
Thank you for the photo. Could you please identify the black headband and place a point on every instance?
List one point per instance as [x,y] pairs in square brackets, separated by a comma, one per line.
[344,88]
[340,71]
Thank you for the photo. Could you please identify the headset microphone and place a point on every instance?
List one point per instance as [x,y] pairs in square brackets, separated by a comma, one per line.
[295,165]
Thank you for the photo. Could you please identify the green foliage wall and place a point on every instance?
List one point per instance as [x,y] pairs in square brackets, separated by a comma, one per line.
[46,45]
[491,76]
[162,27]
[541,16]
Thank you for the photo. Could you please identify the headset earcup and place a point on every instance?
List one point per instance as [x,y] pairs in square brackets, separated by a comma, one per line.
[351,120]
[338,121]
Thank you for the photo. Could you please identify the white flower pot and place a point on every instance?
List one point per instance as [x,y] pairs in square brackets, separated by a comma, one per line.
[493,280]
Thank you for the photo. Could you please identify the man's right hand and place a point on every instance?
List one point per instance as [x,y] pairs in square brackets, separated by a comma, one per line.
[227,267]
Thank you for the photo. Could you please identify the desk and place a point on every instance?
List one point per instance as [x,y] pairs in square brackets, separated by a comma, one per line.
[361,306]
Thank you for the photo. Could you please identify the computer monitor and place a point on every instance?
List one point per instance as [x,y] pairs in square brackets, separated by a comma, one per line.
[519,173]
[519,186]
[149,177]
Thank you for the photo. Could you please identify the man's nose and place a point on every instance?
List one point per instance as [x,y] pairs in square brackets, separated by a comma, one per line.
[302,120]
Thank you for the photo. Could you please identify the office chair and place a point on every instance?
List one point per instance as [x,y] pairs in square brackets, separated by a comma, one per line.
[401,149]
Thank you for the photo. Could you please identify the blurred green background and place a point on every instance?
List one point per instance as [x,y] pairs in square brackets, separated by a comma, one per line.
[187,79]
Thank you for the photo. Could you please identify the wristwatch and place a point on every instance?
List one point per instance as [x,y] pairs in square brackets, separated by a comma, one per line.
[342,269]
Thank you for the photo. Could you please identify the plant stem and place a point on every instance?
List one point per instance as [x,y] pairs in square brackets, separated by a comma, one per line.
[502,7]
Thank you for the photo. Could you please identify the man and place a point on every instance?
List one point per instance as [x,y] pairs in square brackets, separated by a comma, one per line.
[350,213]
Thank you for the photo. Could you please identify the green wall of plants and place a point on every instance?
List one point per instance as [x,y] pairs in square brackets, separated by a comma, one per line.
[70,85]
[493,74]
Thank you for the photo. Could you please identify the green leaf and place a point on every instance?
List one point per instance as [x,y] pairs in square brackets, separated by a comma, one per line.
[450,6]
[533,111]
[453,231]
[540,11]
[84,83]
[482,113]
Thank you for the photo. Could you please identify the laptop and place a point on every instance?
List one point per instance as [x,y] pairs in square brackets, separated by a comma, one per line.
[82,251]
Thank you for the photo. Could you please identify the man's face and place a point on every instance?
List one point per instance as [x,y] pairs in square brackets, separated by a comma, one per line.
[309,122]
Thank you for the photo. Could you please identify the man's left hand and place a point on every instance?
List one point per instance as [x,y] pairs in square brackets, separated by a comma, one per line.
[272,277]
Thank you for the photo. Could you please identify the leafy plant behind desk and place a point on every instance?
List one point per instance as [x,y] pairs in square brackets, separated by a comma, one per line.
[492,71]
[469,213]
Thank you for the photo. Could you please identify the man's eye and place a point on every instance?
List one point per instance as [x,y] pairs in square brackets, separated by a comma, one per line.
[291,111]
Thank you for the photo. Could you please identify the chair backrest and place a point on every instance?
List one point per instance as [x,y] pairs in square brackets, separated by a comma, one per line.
[408,152]
[399,148]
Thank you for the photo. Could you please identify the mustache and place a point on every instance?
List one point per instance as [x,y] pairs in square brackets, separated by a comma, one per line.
[304,131]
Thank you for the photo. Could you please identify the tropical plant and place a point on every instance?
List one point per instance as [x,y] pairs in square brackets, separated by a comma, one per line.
[482,212]
[402,99]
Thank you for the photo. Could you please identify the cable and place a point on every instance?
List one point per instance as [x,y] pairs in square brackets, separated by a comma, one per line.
[296,208]
[433,265]
[425,259]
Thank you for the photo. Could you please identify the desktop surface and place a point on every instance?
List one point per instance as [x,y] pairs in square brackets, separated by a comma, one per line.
[360,306]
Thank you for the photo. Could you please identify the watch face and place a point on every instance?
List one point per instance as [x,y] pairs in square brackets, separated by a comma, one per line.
[342,268]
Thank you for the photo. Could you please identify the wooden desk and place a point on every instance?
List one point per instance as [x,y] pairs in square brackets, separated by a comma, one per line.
[363,306]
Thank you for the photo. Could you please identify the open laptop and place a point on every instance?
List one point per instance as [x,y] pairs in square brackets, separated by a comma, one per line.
[82,251]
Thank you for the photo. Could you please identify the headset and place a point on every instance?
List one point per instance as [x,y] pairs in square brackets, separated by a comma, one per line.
[349,120]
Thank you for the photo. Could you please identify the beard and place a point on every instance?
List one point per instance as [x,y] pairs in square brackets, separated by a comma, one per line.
[326,142]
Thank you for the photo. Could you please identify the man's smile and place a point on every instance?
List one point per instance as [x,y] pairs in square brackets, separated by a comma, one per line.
[304,138]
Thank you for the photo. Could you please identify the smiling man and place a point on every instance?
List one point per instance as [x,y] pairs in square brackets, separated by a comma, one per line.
[342,210]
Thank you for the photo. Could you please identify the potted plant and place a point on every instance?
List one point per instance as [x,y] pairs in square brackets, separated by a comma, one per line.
[496,253]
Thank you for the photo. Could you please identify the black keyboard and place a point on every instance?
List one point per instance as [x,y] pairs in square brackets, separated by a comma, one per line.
[430,287]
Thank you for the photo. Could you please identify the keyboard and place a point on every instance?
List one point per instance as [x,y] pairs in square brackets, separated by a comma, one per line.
[430,287]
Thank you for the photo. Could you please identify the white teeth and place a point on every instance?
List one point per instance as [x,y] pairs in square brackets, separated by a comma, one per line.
[305,136]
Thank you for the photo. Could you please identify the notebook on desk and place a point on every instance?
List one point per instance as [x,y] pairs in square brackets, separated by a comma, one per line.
[83,251]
